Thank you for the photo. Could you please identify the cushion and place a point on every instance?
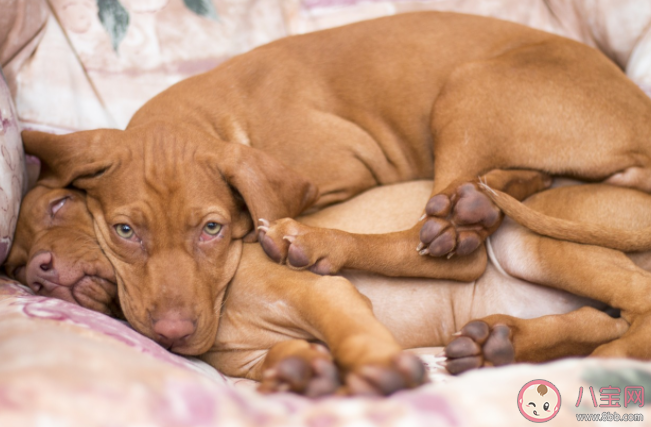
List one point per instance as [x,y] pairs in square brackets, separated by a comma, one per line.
[98,61]
[13,177]
[64,365]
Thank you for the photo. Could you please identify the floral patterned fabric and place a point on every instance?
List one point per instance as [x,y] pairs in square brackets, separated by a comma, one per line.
[13,176]
[97,61]
[63,365]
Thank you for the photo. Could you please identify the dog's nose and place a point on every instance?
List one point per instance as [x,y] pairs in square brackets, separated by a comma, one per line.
[173,331]
[41,272]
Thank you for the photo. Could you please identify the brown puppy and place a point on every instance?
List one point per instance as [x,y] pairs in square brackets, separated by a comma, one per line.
[266,330]
[56,254]
[317,118]
[620,280]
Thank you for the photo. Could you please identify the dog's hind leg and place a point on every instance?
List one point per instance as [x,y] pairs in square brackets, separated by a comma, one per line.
[500,340]
[459,217]
[536,107]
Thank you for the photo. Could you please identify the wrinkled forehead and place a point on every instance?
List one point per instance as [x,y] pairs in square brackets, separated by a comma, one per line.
[162,166]
[44,210]
[169,185]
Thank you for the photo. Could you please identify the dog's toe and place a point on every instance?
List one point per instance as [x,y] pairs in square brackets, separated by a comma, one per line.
[462,347]
[438,205]
[405,371]
[498,349]
[270,247]
[297,256]
[474,207]
[315,378]
[477,330]
[443,244]
[468,242]
[325,380]
[463,364]
[479,345]
[459,221]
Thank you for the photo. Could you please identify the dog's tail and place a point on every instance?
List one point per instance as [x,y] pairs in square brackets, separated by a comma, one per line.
[626,240]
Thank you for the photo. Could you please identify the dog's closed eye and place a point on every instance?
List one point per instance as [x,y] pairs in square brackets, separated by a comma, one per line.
[56,205]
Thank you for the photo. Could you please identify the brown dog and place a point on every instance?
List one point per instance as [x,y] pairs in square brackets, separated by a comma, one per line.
[621,281]
[317,118]
[267,326]
[55,251]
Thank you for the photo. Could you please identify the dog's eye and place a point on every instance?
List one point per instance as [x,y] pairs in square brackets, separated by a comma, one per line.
[212,228]
[57,205]
[546,406]
[124,231]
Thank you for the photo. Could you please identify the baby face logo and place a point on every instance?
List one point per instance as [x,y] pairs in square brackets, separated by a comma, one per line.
[539,401]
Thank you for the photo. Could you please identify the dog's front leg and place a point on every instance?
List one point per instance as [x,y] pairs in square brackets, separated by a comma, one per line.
[457,220]
[294,307]
[370,360]
[327,251]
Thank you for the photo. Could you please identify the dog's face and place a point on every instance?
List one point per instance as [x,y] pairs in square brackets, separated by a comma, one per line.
[56,254]
[170,209]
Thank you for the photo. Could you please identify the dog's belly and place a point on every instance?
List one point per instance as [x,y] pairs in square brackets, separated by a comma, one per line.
[425,313]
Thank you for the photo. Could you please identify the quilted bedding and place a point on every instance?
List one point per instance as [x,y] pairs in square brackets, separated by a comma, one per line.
[63,365]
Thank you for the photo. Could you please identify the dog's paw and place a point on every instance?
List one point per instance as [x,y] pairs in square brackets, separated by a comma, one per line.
[312,378]
[300,246]
[458,221]
[479,345]
[404,371]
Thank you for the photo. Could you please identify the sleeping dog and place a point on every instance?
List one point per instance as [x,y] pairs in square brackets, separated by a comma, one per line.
[314,119]
[268,331]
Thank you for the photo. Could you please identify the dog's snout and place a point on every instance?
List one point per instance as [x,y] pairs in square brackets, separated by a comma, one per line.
[172,331]
[45,263]
[42,260]
[41,270]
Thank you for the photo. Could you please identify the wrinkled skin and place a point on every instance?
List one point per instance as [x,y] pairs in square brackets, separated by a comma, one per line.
[56,254]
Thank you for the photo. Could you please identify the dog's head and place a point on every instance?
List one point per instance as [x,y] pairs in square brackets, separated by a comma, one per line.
[56,254]
[171,207]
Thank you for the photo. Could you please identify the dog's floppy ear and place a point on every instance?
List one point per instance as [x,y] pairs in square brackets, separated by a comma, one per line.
[70,158]
[270,189]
